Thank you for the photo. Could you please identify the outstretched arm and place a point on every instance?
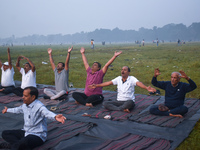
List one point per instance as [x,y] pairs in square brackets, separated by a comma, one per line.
[93,86]
[49,50]
[68,58]
[0,63]
[149,88]
[105,68]
[9,58]
[30,62]
[60,118]
[82,50]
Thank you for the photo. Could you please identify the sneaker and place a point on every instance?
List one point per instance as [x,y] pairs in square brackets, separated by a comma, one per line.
[157,92]
[5,145]
[46,97]
[62,97]
[151,93]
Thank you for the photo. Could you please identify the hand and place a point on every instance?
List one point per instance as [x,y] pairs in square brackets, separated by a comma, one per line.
[156,72]
[183,75]
[60,118]
[150,89]
[20,58]
[117,53]
[70,49]
[49,50]
[8,50]
[92,86]
[4,110]
[82,50]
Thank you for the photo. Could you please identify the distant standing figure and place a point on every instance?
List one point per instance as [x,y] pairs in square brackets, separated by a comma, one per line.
[95,75]
[92,44]
[28,75]
[7,76]
[61,77]
[174,94]
[143,42]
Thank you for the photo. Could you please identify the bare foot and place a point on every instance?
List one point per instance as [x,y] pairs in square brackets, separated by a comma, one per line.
[77,102]
[89,104]
[127,110]
[180,116]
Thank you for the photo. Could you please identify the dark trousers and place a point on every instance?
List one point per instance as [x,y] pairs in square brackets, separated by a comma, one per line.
[181,110]
[18,91]
[119,105]
[19,142]
[83,99]
[8,89]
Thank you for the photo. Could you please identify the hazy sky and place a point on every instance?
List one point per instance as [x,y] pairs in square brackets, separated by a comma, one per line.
[44,17]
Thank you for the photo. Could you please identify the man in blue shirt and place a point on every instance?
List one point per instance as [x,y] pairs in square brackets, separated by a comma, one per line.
[175,92]
[34,132]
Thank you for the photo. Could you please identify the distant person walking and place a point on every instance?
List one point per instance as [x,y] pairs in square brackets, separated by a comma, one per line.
[7,76]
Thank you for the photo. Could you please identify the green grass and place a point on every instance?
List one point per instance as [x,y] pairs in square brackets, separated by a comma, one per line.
[168,57]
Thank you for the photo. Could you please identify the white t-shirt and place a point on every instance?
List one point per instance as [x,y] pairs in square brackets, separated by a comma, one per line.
[125,90]
[7,77]
[28,79]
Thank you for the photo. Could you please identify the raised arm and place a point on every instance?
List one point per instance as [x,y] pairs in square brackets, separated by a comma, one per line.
[82,50]
[49,50]
[149,88]
[9,58]
[18,63]
[105,68]
[156,72]
[30,62]
[68,58]
[0,63]
[93,86]
[192,84]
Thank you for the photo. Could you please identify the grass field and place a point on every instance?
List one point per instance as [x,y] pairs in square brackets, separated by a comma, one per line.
[142,60]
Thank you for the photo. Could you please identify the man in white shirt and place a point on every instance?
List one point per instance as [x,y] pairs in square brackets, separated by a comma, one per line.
[125,88]
[7,76]
[28,75]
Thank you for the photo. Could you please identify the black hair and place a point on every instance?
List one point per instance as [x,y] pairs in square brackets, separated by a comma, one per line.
[33,91]
[99,65]
[28,64]
[62,64]
[129,70]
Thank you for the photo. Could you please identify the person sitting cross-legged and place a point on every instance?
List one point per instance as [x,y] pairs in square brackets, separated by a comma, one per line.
[125,91]
[174,94]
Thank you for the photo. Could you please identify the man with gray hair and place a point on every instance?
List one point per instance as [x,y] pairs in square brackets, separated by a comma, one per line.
[174,94]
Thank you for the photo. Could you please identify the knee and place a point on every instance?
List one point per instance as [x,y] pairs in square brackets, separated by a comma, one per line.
[4,134]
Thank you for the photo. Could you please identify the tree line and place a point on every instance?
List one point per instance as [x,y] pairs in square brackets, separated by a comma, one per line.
[168,33]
